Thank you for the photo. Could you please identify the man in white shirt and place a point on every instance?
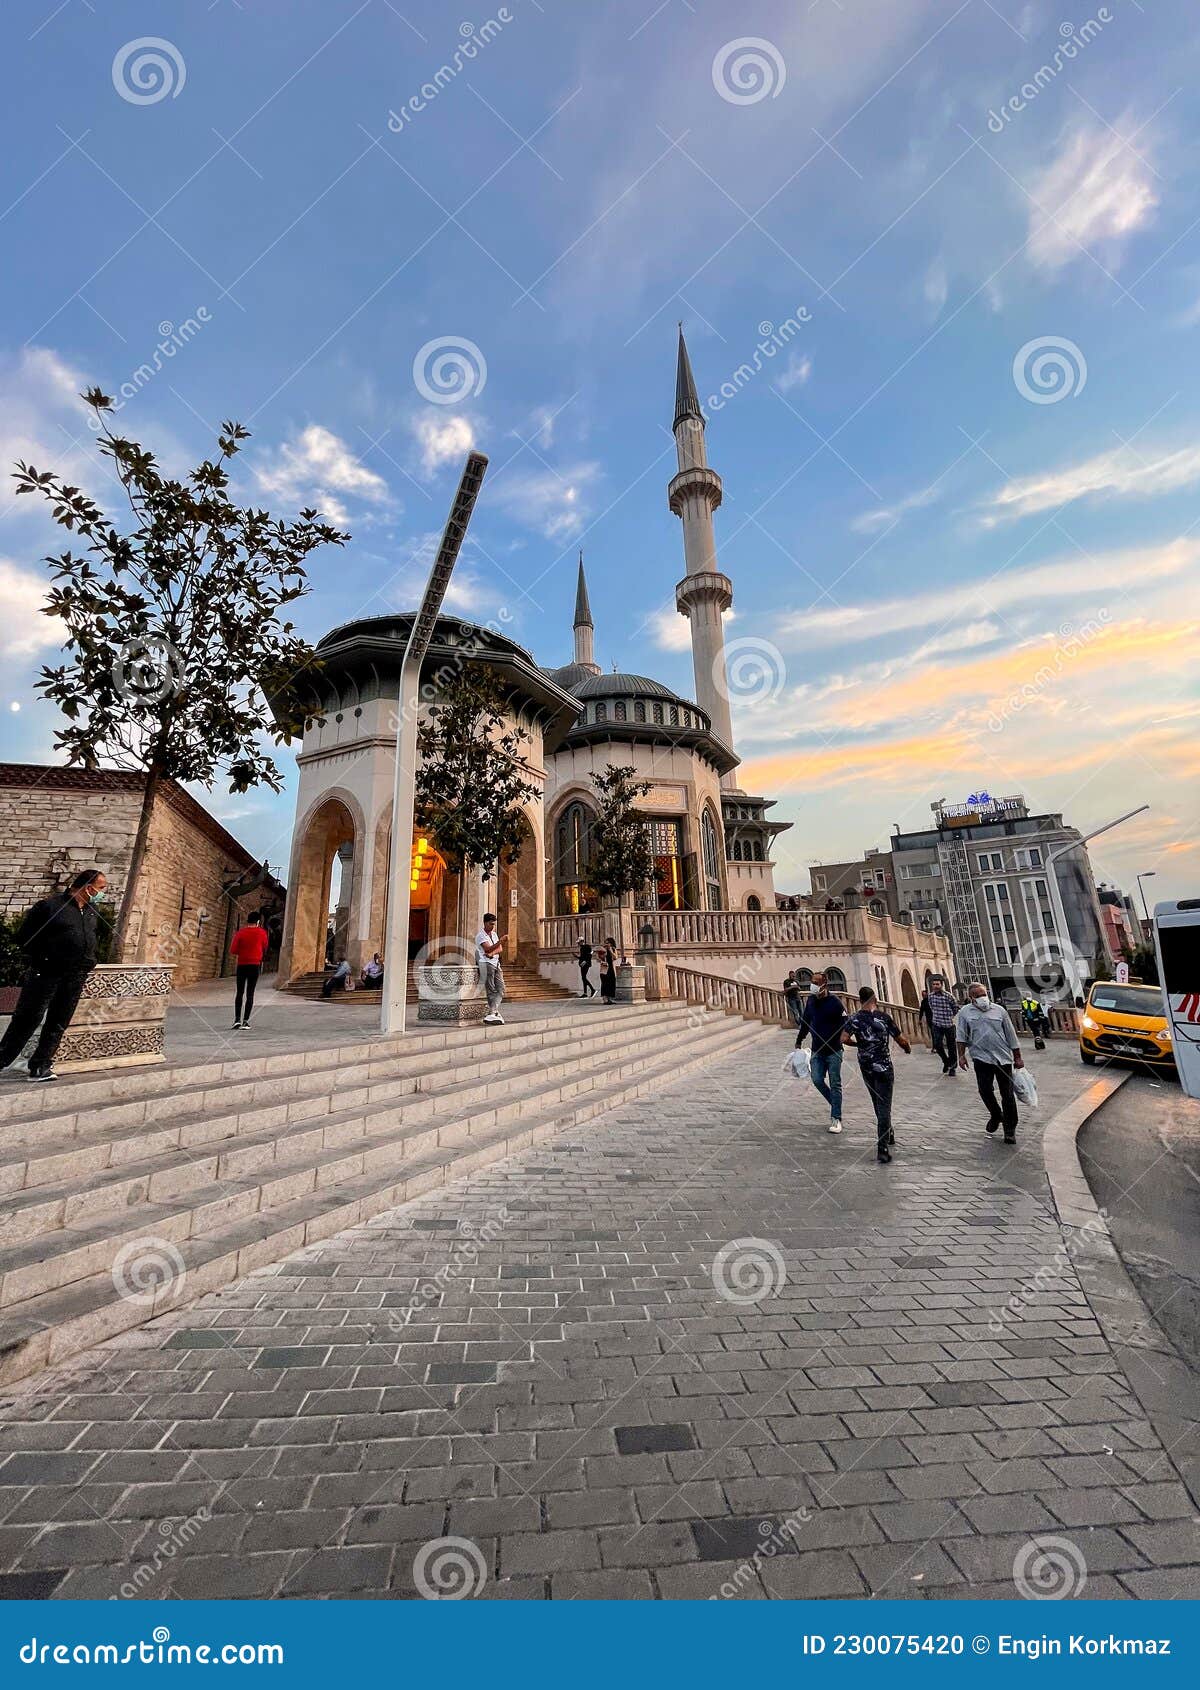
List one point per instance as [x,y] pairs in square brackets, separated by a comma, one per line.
[488,945]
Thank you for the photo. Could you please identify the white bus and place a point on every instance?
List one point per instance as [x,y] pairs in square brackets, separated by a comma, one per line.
[1177,946]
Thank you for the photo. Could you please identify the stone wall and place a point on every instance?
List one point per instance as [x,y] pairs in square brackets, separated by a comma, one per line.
[182,916]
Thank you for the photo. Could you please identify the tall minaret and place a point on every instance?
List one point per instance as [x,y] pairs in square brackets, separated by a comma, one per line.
[584,630]
[704,593]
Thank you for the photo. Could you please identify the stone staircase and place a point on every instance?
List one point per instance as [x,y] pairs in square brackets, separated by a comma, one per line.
[124,1196]
[521,985]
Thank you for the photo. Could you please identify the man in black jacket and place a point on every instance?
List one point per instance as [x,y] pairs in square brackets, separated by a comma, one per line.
[58,937]
[824,1016]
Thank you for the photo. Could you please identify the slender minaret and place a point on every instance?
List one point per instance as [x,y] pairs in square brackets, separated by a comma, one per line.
[584,630]
[704,593]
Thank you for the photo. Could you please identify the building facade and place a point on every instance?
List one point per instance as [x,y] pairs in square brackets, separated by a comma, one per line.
[1014,891]
[197,883]
[711,840]
[869,879]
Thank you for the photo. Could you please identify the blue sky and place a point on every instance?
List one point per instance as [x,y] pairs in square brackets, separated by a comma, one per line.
[960,503]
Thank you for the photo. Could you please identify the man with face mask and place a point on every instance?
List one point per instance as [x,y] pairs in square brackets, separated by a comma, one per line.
[58,937]
[985,1033]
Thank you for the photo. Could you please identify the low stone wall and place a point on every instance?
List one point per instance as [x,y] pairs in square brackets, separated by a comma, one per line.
[120,1020]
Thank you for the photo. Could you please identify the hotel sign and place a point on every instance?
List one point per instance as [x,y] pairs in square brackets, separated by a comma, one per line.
[980,806]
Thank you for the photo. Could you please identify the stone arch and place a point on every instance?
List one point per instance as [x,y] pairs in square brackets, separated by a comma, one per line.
[332,821]
[753,901]
[517,901]
[908,989]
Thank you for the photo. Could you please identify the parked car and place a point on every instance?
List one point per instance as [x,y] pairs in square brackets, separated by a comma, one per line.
[1128,1023]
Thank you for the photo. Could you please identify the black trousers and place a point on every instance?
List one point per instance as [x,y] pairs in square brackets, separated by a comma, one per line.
[247,979]
[989,1076]
[585,968]
[943,1043]
[53,996]
[880,1088]
[332,985]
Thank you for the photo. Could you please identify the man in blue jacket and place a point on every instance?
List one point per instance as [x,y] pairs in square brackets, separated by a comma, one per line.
[824,1016]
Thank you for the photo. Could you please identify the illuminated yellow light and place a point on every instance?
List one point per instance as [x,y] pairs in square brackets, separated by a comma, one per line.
[422,847]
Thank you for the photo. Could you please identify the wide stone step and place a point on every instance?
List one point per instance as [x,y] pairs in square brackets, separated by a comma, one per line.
[56,1182]
[138,1096]
[47,1327]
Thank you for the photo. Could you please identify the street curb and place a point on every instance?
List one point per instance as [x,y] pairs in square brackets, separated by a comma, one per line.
[1163,1383]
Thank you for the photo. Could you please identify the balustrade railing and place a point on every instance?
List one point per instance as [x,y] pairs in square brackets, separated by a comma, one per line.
[767,1003]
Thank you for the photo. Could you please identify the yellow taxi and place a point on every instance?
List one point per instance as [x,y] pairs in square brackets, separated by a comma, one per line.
[1125,1022]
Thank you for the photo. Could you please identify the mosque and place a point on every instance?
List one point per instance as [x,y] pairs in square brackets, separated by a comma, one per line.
[713,894]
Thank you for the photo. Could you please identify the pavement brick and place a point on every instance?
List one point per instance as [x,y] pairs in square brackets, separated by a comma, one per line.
[595,1417]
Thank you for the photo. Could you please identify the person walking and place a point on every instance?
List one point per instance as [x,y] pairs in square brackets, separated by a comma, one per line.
[584,958]
[943,1012]
[824,1017]
[608,972]
[985,1034]
[58,938]
[248,946]
[793,997]
[870,1029]
[488,946]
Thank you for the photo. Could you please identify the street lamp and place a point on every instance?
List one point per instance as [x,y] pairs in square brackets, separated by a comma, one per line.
[1147,874]
[1066,948]
[399,900]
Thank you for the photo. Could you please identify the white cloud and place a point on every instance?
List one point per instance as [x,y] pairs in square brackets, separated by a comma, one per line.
[318,468]
[965,638]
[871,522]
[937,286]
[669,630]
[1120,474]
[442,439]
[22,595]
[552,502]
[797,372]
[1096,193]
[43,421]
[1013,589]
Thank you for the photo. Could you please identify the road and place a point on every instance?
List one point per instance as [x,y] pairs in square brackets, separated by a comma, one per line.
[1141,1156]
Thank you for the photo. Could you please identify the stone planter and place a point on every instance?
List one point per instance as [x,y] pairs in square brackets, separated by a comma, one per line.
[121,1018]
[631,983]
[450,993]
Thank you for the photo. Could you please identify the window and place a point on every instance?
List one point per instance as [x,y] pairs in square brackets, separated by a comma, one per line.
[877,906]
[639,712]
[836,979]
[712,860]
[991,862]
[602,712]
[572,855]
[881,985]
[1029,858]
[753,903]
[658,715]
[1035,895]
[820,882]
[674,716]
[666,892]
[619,712]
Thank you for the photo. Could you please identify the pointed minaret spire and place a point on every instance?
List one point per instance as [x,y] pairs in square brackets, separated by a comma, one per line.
[584,629]
[686,402]
[705,593]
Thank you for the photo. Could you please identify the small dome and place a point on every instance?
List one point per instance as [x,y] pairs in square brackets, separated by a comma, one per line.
[584,684]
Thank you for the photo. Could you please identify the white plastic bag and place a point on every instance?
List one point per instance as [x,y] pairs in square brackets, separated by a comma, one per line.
[1025,1087]
[797,1064]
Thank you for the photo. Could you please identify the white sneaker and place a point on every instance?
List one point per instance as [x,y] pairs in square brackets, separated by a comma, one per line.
[835,1126]
[498,1018]
[491,1020]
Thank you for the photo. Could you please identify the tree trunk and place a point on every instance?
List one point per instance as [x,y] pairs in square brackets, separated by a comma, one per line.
[140,841]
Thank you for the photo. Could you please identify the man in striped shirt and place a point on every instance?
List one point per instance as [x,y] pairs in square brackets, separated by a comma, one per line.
[943,1009]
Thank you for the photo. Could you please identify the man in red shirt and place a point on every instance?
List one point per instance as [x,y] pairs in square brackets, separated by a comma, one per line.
[249,946]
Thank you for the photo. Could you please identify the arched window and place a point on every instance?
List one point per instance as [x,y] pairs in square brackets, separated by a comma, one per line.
[712,861]
[658,715]
[804,975]
[619,712]
[602,712]
[835,979]
[639,711]
[877,906]
[572,857]
[753,903]
[758,851]
[674,715]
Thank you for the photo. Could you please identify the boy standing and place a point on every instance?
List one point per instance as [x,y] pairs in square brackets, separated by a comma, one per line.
[248,947]
[870,1029]
[488,946]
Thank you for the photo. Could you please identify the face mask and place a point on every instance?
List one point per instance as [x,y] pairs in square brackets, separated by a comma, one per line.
[981,1003]
[95,897]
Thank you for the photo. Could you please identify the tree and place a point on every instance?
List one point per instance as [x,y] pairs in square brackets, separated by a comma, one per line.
[1143,964]
[172,627]
[472,783]
[622,858]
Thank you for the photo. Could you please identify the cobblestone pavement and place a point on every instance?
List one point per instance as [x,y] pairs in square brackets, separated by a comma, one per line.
[701,1349]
